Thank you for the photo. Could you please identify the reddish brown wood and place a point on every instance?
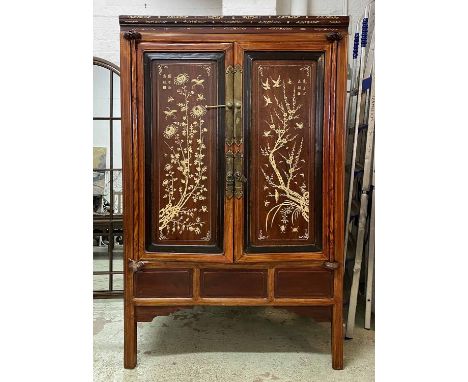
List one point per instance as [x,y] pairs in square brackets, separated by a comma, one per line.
[163,283]
[130,344]
[144,253]
[303,283]
[246,283]
[234,276]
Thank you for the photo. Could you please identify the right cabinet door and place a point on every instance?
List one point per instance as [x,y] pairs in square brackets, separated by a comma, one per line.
[282,214]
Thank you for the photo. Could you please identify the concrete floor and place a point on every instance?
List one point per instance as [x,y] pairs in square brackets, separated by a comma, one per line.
[249,344]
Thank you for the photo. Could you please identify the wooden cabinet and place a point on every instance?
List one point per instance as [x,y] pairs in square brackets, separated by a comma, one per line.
[233,135]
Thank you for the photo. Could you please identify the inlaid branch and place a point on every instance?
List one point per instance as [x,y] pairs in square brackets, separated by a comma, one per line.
[185,174]
[283,149]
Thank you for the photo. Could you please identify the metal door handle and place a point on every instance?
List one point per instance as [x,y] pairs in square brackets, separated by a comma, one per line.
[227,106]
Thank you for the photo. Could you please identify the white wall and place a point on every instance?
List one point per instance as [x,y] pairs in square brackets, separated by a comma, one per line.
[106,12]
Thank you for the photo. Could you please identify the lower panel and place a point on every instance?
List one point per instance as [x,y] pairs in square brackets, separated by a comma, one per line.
[247,283]
[303,283]
[163,283]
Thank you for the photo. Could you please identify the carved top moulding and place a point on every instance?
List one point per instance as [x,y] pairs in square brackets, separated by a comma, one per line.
[238,21]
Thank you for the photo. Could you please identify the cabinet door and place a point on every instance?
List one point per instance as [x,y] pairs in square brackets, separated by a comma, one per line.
[186,214]
[284,208]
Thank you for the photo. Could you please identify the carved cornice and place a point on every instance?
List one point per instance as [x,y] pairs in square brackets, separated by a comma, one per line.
[239,21]
[334,36]
[132,35]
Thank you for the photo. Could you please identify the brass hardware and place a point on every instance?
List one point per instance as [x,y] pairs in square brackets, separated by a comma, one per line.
[239,177]
[330,265]
[229,117]
[229,175]
[135,266]
[227,106]
[238,104]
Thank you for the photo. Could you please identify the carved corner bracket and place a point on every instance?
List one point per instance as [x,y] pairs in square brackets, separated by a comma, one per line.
[331,265]
[135,266]
[335,36]
[132,34]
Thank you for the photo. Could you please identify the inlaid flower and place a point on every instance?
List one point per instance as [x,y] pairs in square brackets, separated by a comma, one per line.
[181,78]
[198,111]
[169,131]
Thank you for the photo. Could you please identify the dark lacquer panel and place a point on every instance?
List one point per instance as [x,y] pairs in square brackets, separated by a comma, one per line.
[184,144]
[163,283]
[305,283]
[284,148]
[233,283]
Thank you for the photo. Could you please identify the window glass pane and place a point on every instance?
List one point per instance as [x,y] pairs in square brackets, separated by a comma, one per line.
[118,195]
[101,86]
[100,282]
[100,255]
[116,105]
[118,282]
[101,144]
[117,145]
[101,192]
[101,160]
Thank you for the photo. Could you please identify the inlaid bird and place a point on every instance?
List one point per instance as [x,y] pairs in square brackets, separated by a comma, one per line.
[267,133]
[266,85]
[276,84]
[299,125]
[198,82]
[169,112]
[267,100]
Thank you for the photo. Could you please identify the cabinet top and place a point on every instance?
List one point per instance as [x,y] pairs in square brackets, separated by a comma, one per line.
[239,21]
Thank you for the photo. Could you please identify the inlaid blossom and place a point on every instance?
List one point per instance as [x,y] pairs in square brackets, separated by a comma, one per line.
[198,111]
[181,79]
[169,131]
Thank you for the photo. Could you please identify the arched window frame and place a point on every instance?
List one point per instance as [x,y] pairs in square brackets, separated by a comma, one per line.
[109,225]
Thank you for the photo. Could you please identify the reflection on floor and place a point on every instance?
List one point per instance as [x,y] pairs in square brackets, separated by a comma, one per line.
[232,344]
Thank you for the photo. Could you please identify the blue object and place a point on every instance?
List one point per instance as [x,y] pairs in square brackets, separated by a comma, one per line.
[364,32]
[366,83]
[356,45]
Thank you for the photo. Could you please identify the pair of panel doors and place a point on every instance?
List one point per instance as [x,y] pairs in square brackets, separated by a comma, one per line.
[234,148]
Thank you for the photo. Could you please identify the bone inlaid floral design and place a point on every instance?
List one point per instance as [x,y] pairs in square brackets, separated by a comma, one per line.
[184,207]
[283,99]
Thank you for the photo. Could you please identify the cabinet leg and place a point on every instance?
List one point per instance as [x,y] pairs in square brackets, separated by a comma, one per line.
[337,337]
[130,339]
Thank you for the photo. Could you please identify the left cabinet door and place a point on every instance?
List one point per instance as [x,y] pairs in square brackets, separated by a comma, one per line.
[184,117]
